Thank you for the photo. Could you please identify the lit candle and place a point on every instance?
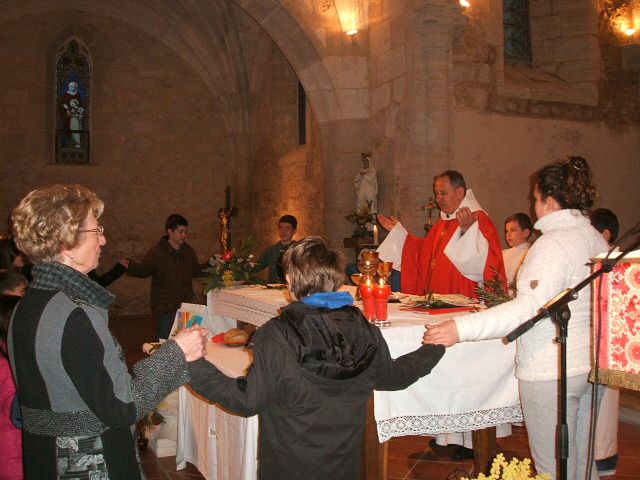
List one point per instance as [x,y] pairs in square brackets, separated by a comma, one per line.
[375,234]
[382,291]
[366,291]
[380,298]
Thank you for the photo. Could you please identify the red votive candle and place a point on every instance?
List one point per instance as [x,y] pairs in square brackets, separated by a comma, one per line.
[381,296]
[366,292]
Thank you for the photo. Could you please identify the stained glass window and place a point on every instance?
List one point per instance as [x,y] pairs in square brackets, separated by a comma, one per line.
[517,36]
[73,75]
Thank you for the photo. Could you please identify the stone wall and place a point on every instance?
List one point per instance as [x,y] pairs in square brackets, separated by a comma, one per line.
[158,146]
[287,177]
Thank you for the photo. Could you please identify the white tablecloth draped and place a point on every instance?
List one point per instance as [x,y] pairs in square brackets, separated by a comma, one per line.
[220,444]
[472,387]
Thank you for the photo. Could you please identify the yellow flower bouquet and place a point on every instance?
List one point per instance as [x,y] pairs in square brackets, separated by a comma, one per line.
[514,470]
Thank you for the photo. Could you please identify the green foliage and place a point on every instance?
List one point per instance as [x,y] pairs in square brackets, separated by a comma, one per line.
[492,292]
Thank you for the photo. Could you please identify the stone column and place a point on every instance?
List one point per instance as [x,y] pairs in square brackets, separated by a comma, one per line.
[435,26]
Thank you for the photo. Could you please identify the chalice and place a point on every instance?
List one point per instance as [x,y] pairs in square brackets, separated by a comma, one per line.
[384,271]
[368,266]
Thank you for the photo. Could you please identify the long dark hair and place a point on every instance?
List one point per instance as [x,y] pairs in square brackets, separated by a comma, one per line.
[568,182]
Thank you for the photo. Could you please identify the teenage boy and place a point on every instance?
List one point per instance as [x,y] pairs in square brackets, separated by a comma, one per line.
[172,265]
[272,256]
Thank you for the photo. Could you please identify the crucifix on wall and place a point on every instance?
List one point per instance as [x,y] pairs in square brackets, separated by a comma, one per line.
[224,215]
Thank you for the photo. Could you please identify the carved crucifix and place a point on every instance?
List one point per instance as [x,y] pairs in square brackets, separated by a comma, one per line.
[224,215]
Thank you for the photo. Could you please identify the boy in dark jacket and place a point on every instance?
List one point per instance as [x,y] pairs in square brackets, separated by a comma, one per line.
[172,264]
[314,367]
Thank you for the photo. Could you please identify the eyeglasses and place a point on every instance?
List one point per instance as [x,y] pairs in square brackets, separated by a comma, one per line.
[99,231]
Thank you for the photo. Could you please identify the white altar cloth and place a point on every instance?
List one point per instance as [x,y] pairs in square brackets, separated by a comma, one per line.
[472,387]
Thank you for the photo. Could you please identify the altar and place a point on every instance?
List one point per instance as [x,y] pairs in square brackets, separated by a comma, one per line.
[473,387]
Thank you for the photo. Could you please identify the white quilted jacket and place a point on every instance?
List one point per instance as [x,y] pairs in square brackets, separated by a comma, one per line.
[557,260]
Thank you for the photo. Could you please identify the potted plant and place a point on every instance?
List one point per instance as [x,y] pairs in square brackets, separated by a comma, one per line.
[362,219]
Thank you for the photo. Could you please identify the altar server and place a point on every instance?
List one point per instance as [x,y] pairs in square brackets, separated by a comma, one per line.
[517,232]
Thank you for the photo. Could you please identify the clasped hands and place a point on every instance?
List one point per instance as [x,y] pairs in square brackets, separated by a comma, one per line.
[192,342]
[445,333]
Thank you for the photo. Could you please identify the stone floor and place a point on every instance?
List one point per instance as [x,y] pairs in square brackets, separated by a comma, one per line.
[408,458]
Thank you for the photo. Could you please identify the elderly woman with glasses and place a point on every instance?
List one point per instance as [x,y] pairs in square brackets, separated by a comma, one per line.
[79,403]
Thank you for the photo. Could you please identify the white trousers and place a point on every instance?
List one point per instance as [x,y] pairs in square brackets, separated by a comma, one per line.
[540,405]
[607,425]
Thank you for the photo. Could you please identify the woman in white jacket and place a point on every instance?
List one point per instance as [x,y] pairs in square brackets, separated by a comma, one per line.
[558,260]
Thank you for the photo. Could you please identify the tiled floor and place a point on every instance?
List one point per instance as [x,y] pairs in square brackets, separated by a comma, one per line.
[408,458]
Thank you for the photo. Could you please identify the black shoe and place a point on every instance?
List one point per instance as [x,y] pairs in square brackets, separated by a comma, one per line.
[607,466]
[462,453]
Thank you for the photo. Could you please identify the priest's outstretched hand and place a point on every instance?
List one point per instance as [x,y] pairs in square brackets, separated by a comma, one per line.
[466,218]
[445,333]
[387,222]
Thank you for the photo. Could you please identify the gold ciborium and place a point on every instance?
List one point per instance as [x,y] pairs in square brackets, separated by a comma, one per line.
[368,266]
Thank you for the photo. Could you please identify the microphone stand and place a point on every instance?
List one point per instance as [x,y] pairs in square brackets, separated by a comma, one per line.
[558,310]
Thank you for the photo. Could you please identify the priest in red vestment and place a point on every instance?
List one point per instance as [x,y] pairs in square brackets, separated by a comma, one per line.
[461,249]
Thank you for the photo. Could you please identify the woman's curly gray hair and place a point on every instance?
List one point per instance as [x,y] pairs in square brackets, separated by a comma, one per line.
[47,220]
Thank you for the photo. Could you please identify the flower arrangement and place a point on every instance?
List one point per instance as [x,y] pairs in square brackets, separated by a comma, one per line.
[514,470]
[362,218]
[231,266]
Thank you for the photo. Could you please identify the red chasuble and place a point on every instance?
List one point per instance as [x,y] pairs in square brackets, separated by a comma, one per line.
[426,268]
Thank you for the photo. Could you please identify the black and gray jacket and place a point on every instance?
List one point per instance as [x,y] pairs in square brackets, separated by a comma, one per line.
[79,402]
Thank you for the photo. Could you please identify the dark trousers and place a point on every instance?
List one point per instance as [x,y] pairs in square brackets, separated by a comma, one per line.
[164,322]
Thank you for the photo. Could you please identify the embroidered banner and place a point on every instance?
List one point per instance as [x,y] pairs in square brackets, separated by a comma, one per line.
[618,309]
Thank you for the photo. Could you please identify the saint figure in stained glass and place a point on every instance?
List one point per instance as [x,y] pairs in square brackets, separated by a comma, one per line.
[72,112]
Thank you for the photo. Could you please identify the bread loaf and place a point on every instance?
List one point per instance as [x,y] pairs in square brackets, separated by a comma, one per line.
[235,335]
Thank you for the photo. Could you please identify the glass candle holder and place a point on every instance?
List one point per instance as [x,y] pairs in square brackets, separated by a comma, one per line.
[366,292]
[380,298]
